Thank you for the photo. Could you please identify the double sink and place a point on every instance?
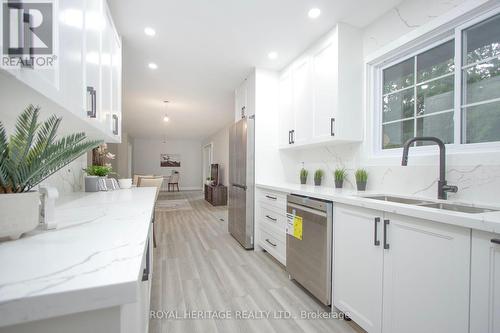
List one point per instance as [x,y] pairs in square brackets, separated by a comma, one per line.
[461,208]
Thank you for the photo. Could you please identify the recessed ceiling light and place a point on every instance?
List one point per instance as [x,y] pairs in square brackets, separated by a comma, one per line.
[272,55]
[149,31]
[152,65]
[314,13]
[166,119]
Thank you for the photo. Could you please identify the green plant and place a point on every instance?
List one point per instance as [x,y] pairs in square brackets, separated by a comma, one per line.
[32,153]
[361,176]
[98,170]
[340,174]
[318,174]
[303,173]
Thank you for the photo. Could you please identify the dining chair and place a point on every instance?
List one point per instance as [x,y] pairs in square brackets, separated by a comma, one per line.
[135,179]
[174,182]
[152,182]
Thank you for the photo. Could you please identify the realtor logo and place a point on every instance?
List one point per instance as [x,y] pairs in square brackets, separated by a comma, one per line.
[28,33]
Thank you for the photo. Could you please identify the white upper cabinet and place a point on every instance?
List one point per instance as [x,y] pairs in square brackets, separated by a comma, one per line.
[302,103]
[87,53]
[286,115]
[326,92]
[241,101]
[485,283]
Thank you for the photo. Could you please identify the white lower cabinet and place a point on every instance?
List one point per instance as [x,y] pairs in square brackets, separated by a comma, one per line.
[397,274]
[485,283]
[426,277]
[270,223]
[357,275]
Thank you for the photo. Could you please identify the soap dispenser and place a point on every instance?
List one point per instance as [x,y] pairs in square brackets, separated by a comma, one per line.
[48,196]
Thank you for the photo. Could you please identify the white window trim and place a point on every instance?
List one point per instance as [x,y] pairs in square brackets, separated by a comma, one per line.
[427,37]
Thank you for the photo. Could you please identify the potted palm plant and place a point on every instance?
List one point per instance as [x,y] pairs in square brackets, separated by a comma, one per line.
[303,175]
[318,175]
[340,176]
[30,155]
[361,179]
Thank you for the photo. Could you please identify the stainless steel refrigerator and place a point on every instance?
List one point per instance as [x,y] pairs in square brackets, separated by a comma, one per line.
[241,181]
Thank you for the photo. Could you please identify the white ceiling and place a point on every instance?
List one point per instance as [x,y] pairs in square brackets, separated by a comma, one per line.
[205,48]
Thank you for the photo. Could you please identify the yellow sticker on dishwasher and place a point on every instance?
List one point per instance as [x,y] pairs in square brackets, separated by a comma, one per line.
[297,227]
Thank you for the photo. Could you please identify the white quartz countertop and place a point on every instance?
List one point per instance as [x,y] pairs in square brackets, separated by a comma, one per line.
[91,261]
[483,221]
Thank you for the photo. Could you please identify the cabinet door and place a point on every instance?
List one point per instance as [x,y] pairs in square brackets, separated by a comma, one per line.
[302,101]
[324,84]
[71,57]
[286,117]
[241,101]
[358,261]
[485,283]
[426,277]
[94,23]
[116,84]
[106,71]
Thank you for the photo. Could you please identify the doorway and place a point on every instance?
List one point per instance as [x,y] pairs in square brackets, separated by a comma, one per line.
[207,161]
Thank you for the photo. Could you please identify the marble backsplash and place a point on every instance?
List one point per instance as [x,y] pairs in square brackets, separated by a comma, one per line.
[70,178]
[479,183]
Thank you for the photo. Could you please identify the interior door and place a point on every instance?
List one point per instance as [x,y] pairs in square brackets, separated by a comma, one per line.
[358,265]
[426,277]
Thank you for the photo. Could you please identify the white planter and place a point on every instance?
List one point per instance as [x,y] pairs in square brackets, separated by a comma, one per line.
[20,213]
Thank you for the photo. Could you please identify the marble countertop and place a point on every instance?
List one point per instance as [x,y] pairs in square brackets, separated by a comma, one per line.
[484,221]
[91,261]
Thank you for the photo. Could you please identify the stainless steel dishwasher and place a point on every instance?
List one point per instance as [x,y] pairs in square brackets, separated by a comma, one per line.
[309,260]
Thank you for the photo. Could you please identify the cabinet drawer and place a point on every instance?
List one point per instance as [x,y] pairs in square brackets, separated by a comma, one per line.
[271,219]
[274,246]
[275,199]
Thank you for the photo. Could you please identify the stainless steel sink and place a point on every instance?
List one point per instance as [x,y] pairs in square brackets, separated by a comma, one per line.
[430,204]
[458,208]
[398,199]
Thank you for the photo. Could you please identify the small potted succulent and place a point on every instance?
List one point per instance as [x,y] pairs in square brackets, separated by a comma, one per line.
[318,176]
[303,175]
[340,175]
[31,154]
[361,179]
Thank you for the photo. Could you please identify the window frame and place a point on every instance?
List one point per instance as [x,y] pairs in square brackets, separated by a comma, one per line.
[410,50]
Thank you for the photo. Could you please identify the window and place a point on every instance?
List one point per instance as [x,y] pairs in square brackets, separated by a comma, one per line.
[418,94]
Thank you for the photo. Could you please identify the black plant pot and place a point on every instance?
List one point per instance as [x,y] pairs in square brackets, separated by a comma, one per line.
[303,180]
[317,182]
[361,186]
[339,183]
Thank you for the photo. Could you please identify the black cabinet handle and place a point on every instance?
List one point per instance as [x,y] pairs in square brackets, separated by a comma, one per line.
[289,137]
[293,136]
[376,242]
[271,218]
[267,240]
[386,245]
[270,197]
[495,241]
[332,125]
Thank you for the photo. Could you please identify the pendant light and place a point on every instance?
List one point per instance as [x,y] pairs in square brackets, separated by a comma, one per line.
[166,118]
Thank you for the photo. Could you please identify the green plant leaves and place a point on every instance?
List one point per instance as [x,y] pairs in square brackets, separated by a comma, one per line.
[33,153]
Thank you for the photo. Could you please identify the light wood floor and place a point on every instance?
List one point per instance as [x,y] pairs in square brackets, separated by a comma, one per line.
[198,266]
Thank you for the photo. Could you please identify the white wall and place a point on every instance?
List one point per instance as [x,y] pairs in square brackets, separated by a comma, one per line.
[14,98]
[220,152]
[146,160]
[476,174]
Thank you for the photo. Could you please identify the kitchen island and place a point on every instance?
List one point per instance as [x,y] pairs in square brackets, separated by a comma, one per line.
[92,273]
